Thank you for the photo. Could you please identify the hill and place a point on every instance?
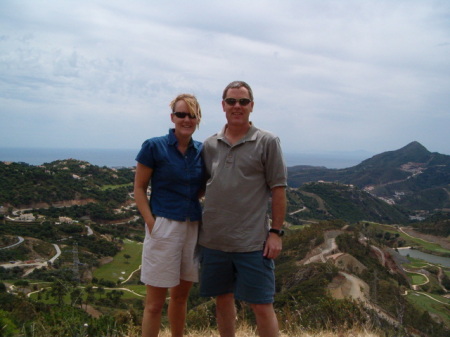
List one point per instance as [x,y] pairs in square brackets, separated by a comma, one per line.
[333,275]
[411,177]
[356,194]
[326,201]
[62,180]
[68,188]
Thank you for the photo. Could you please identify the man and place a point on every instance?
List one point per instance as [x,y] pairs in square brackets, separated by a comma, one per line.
[245,167]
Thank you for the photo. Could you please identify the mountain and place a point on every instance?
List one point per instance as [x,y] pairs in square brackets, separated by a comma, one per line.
[411,177]
[325,201]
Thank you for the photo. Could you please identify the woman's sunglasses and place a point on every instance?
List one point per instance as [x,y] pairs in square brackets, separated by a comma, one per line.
[184,114]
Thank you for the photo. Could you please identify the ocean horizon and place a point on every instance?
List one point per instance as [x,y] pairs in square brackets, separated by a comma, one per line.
[126,157]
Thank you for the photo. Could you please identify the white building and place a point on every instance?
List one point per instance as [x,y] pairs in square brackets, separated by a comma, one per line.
[27,217]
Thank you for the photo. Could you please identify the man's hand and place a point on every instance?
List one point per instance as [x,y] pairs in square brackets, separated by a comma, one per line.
[273,246]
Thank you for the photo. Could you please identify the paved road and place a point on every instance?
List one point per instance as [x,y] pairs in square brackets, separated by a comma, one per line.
[34,265]
[21,239]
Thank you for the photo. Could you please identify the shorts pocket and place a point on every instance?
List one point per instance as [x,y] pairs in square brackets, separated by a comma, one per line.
[156,228]
[269,263]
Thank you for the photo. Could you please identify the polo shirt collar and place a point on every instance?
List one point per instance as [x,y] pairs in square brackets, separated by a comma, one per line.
[250,135]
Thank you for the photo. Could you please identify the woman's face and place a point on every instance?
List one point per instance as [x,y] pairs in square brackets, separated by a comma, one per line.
[184,126]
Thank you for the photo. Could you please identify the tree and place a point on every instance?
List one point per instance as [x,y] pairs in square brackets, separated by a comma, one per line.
[7,327]
[58,290]
[89,290]
[100,291]
[2,287]
[76,296]
[127,257]
[115,296]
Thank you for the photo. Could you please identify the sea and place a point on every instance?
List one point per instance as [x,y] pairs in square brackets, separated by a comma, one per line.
[126,157]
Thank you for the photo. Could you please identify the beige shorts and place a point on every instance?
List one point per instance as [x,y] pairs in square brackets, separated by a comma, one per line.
[169,253]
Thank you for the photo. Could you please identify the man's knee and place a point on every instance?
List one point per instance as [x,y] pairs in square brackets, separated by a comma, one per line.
[263,310]
[225,299]
[225,305]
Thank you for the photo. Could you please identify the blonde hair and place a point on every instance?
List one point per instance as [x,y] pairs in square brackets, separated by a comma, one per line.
[191,102]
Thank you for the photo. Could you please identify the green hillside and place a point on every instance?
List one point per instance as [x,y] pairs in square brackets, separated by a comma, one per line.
[24,185]
[411,177]
[321,201]
[338,270]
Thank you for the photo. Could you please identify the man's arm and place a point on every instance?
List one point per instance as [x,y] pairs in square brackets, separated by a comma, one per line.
[274,244]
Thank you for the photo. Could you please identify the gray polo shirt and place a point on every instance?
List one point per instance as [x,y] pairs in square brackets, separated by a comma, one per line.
[235,214]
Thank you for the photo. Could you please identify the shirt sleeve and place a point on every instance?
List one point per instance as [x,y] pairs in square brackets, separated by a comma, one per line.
[276,171]
[145,155]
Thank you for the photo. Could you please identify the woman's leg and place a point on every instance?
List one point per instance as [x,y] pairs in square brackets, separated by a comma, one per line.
[154,303]
[178,306]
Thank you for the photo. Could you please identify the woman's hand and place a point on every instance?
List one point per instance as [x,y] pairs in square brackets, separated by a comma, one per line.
[150,223]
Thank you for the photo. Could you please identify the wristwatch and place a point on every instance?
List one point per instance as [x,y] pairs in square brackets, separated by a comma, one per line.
[279,232]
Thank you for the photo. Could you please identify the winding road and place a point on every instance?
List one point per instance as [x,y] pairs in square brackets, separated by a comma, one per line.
[35,264]
[21,239]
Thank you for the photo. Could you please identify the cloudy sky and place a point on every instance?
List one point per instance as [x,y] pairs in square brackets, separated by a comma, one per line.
[328,76]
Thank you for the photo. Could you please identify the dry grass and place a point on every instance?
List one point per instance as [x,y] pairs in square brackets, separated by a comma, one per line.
[249,332]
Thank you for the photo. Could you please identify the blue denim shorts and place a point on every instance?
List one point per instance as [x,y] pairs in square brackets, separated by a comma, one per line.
[250,276]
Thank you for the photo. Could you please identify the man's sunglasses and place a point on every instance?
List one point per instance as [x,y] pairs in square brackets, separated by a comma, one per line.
[233,101]
[184,114]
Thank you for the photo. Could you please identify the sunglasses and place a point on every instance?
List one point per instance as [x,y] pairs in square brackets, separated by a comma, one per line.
[233,101]
[184,114]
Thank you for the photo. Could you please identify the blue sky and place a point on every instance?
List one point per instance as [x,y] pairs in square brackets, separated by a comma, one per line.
[328,76]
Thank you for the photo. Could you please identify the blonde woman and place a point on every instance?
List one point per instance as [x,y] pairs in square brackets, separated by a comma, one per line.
[173,166]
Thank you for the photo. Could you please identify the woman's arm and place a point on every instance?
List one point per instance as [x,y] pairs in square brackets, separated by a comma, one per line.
[141,180]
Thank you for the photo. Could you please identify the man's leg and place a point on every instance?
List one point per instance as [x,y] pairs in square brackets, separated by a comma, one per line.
[266,320]
[226,315]
[177,307]
[154,302]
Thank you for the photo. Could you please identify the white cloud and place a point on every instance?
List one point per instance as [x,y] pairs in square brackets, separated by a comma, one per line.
[326,75]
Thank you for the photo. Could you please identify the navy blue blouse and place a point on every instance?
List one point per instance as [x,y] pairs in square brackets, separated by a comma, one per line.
[176,180]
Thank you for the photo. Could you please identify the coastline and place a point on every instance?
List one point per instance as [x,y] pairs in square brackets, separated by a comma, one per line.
[126,157]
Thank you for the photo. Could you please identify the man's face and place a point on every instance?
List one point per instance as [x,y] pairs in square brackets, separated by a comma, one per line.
[236,113]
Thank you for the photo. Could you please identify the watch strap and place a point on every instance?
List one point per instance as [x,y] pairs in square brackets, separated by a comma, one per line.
[279,232]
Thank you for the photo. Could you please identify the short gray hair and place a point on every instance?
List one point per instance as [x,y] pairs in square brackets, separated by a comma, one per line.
[237,85]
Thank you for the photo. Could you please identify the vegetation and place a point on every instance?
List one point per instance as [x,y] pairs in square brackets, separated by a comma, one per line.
[24,185]
[412,177]
[121,267]
[437,224]
[302,298]
[98,271]
[325,201]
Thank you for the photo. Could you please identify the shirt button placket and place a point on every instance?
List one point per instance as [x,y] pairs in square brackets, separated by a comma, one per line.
[229,158]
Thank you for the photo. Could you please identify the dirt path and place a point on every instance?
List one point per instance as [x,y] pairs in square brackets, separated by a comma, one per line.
[416,286]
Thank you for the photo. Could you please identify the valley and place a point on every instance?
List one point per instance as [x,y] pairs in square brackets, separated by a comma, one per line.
[70,240]
[119,274]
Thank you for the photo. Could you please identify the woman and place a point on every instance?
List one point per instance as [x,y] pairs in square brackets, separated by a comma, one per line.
[174,166]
